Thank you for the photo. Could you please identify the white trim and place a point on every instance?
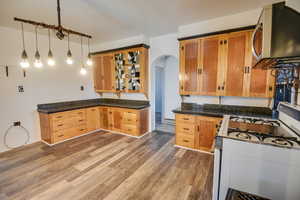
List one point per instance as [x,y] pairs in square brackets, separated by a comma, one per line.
[197,150]
[109,131]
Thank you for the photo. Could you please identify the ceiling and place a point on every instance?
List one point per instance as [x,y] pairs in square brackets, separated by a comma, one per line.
[108,20]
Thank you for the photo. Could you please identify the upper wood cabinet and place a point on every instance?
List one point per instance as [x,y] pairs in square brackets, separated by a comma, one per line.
[103,73]
[122,70]
[189,67]
[222,65]
[210,67]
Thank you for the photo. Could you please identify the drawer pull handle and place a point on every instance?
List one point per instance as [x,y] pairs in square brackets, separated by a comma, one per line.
[185,140]
[81,120]
[60,125]
[93,109]
[187,129]
[60,135]
[129,120]
[58,117]
[185,118]
[82,129]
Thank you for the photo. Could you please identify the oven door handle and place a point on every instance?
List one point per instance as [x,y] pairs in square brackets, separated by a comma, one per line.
[258,57]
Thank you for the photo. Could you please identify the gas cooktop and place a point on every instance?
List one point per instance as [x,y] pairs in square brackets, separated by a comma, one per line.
[266,131]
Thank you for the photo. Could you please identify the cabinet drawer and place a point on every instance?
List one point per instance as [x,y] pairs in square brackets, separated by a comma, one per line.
[61,136]
[186,128]
[185,141]
[185,118]
[59,116]
[78,114]
[130,129]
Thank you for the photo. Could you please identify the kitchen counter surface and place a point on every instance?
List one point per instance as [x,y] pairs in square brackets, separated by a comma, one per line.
[72,105]
[216,110]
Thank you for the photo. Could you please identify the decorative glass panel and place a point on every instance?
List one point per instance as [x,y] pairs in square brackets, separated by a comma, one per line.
[134,82]
[120,71]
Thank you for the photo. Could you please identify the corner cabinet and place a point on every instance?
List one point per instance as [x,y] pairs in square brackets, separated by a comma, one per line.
[222,65]
[123,70]
[61,126]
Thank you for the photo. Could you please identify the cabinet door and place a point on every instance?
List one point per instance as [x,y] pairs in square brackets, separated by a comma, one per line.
[116,119]
[103,73]
[206,132]
[236,77]
[189,67]
[104,117]
[261,82]
[210,63]
[93,118]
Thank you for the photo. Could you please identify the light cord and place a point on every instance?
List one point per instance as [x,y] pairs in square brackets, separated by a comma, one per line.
[23,40]
[36,39]
[49,39]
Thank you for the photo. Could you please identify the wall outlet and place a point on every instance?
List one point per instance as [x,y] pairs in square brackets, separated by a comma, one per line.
[21,88]
[82,88]
[18,123]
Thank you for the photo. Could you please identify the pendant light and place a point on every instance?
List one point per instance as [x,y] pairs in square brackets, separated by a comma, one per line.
[83,69]
[37,62]
[69,54]
[51,61]
[24,58]
[89,61]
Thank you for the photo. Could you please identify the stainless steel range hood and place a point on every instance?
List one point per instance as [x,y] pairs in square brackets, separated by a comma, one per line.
[276,38]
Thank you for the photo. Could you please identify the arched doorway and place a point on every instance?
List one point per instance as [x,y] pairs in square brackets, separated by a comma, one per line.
[166,91]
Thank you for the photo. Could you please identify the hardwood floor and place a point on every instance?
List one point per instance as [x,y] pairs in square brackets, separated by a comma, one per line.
[106,166]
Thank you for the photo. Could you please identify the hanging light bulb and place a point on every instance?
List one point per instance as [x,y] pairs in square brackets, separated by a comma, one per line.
[83,69]
[89,61]
[69,54]
[51,61]
[37,62]
[24,58]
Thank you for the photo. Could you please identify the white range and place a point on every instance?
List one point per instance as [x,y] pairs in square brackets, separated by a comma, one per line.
[259,156]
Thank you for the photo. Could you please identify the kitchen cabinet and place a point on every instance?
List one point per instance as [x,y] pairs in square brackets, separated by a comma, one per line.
[189,67]
[127,69]
[210,65]
[104,117]
[196,132]
[115,119]
[235,81]
[103,72]
[58,127]
[222,65]
[92,119]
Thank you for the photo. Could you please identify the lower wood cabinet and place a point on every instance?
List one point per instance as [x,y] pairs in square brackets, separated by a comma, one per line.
[196,132]
[61,126]
[129,121]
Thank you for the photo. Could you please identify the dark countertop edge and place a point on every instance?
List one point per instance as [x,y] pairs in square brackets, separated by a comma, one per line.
[49,111]
[121,48]
[218,32]
[221,115]
[199,113]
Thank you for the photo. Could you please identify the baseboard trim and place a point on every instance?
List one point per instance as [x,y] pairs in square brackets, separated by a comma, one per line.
[95,131]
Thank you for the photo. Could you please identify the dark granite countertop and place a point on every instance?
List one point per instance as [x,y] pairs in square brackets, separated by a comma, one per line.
[216,110]
[72,105]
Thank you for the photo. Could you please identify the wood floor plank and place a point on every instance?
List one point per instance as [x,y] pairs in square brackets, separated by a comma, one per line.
[106,166]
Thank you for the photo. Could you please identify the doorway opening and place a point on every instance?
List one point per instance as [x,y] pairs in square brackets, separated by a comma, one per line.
[167,98]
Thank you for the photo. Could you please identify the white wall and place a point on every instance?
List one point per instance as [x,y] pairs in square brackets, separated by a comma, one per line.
[47,85]
[172,97]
